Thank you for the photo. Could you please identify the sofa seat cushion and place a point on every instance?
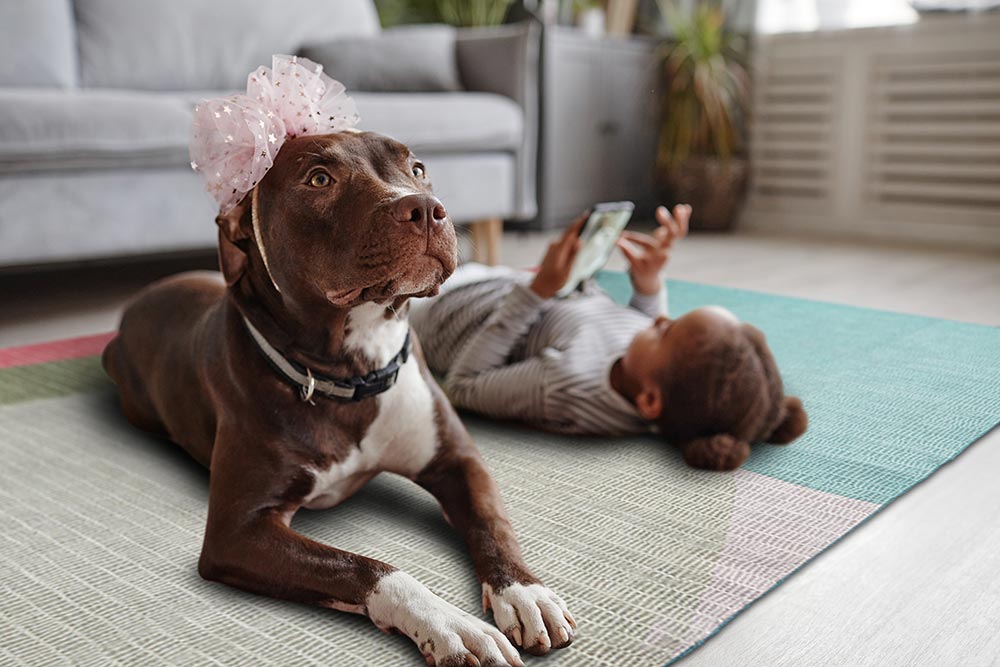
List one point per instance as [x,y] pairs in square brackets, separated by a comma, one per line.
[42,129]
[444,122]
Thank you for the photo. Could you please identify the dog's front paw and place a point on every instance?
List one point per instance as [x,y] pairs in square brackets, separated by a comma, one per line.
[532,616]
[445,635]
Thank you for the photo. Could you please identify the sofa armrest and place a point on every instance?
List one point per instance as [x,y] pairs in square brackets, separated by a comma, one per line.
[505,60]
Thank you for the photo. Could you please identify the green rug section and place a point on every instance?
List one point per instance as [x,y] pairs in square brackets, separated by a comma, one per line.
[890,397]
[51,379]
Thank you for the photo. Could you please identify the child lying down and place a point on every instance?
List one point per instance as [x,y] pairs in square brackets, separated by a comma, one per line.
[585,365]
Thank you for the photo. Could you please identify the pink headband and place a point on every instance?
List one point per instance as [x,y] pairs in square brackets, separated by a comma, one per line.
[236,138]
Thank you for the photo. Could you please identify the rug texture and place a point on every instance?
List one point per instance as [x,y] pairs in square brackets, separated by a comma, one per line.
[103,524]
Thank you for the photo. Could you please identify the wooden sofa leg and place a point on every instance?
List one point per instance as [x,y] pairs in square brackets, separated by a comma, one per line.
[486,238]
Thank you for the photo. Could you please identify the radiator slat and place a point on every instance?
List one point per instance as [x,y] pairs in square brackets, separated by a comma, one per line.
[952,62]
[987,83]
[989,192]
[923,170]
[920,132]
[931,150]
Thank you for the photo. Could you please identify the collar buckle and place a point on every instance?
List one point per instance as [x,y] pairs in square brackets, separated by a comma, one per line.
[306,390]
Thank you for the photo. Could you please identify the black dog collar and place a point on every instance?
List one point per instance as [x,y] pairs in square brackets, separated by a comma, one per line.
[345,389]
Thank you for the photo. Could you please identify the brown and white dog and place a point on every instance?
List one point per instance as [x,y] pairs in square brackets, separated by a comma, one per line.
[319,262]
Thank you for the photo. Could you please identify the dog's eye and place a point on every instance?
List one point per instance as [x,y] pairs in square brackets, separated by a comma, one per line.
[320,179]
[418,170]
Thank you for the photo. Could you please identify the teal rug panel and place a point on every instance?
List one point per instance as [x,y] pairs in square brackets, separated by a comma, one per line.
[890,397]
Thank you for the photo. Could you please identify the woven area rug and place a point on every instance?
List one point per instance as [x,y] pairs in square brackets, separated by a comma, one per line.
[102,524]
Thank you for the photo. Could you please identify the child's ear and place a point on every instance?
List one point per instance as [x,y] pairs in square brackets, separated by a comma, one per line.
[717,452]
[649,401]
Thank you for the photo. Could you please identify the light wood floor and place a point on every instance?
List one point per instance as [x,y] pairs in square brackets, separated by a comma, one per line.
[916,585]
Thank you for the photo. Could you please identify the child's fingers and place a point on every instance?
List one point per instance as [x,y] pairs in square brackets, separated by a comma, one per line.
[570,253]
[550,255]
[644,240]
[682,216]
[627,250]
[666,220]
[575,248]
[677,223]
[574,227]
[662,215]
[564,245]
[568,247]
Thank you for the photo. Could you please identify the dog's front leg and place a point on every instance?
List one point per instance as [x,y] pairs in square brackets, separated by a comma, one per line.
[531,615]
[249,545]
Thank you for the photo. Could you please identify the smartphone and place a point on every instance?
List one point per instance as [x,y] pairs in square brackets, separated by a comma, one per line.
[599,235]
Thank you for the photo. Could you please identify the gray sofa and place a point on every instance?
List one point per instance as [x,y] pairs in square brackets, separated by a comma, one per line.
[96,99]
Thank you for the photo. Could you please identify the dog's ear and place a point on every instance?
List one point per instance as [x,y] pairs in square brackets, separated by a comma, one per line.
[793,424]
[234,230]
[716,452]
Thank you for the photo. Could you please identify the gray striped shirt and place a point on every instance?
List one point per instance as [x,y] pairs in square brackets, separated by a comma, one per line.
[506,353]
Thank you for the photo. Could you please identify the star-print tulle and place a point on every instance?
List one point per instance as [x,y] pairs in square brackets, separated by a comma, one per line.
[236,139]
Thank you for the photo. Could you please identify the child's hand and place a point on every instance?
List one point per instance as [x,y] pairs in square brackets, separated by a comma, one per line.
[647,255]
[558,261]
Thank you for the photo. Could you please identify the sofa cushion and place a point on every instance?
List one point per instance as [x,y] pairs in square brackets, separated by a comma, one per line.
[437,122]
[413,58]
[44,129]
[195,44]
[37,43]
[56,129]
[443,122]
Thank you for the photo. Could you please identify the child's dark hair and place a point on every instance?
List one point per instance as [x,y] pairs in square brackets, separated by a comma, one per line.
[727,395]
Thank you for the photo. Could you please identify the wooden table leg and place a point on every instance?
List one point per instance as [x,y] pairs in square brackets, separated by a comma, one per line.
[486,238]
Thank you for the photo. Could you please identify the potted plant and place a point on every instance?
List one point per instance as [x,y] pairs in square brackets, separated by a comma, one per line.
[469,13]
[701,157]
[464,13]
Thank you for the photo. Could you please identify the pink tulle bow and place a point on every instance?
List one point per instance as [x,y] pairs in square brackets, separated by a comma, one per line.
[236,138]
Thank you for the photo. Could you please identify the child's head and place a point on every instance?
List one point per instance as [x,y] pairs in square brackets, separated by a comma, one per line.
[711,385]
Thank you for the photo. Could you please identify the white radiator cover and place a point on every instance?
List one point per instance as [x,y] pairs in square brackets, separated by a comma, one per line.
[883,132]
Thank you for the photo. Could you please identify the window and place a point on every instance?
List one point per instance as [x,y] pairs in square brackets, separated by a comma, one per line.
[806,15]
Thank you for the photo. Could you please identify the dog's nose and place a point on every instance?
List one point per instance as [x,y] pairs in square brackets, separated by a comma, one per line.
[419,209]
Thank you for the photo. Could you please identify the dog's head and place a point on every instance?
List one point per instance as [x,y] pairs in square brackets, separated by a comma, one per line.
[341,219]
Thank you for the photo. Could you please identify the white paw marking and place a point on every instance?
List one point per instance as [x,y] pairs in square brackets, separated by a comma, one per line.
[532,616]
[440,630]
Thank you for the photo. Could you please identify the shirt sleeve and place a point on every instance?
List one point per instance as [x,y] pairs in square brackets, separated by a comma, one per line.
[652,305]
[481,378]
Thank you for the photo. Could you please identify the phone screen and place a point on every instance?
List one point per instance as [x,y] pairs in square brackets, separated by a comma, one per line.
[599,235]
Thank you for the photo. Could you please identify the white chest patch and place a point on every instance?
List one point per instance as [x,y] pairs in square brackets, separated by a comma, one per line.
[403,437]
